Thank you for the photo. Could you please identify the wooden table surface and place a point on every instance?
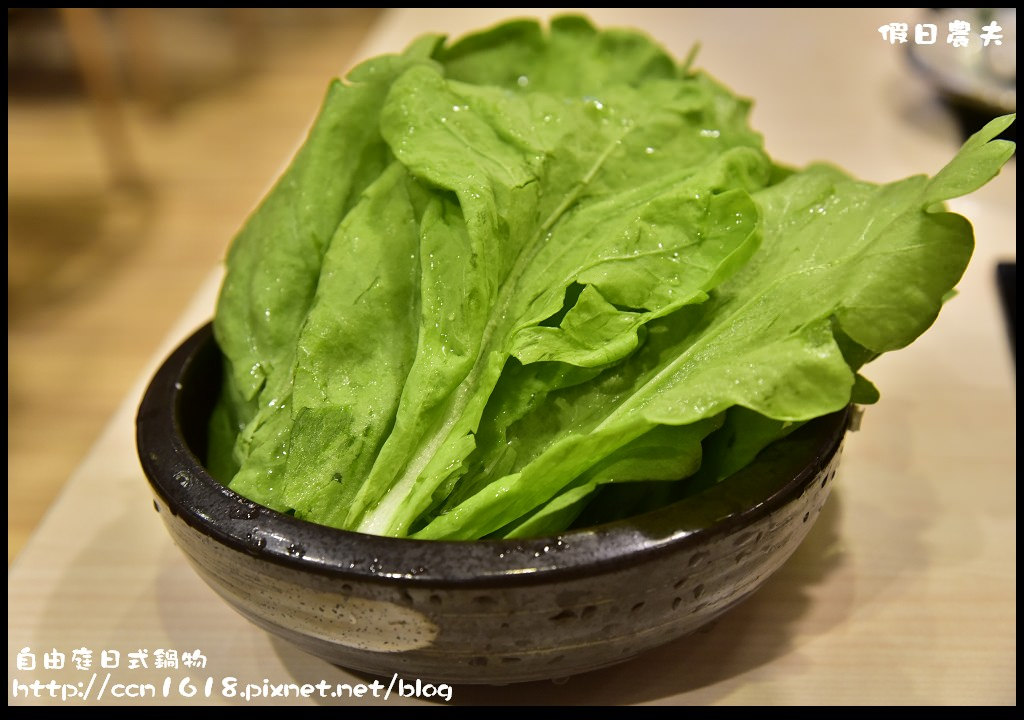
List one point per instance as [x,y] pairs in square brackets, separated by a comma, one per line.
[98,272]
[903,593]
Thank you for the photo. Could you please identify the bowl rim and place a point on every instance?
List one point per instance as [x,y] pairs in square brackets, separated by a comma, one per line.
[188,491]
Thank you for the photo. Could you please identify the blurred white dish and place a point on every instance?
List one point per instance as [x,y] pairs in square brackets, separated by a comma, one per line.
[979,75]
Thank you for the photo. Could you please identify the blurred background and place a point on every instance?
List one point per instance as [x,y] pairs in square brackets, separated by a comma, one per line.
[137,142]
[140,139]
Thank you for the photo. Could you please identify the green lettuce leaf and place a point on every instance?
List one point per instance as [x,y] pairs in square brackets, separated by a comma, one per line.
[497,293]
[274,267]
[643,232]
[869,263]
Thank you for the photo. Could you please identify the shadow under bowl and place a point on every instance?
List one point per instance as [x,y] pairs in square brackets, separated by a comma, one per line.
[487,611]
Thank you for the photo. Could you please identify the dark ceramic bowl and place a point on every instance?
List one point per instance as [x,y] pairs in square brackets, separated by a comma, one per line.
[483,611]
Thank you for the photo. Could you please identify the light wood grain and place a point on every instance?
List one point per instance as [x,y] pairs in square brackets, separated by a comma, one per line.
[903,593]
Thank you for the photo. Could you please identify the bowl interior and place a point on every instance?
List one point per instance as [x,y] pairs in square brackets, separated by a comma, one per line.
[171,434]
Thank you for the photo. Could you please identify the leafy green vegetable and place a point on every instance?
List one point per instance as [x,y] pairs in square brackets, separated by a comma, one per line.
[496,292]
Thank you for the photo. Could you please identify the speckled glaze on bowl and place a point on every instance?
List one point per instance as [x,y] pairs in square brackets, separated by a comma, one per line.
[485,611]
